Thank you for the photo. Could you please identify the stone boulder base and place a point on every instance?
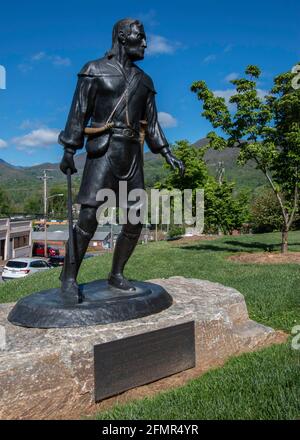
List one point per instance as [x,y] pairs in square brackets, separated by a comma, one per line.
[49,374]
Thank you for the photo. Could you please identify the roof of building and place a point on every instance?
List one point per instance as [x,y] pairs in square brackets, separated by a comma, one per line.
[101,228]
[64,235]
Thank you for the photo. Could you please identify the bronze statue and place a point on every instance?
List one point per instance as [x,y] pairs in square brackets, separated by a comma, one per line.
[114,109]
[113,102]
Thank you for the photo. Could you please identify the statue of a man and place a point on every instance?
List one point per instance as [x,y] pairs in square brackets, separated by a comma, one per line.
[112,99]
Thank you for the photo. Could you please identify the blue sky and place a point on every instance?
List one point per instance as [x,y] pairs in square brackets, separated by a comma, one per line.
[44,44]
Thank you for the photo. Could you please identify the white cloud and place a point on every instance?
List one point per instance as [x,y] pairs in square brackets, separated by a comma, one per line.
[25,67]
[262,93]
[166,120]
[38,56]
[59,61]
[2,77]
[42,137]
[55,60]
[30,124]
[3,144]
[227,93]
[209,59]
[231,76]
[228,48]
[26,149]
[160,45]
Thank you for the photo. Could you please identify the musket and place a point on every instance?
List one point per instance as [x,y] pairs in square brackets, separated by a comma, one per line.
[70,218]
[143,129]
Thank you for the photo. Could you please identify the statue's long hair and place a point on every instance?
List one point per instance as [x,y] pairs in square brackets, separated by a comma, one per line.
[122,25]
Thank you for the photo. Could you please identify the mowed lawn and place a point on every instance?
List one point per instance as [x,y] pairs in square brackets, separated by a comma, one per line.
[261,385]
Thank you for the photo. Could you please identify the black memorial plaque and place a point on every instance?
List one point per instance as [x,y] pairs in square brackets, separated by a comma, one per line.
[141,359]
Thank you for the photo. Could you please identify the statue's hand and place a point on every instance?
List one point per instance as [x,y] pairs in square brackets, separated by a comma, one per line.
[175,163]
[67,162]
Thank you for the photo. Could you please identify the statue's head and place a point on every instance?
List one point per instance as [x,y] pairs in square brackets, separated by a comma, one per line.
[130,34]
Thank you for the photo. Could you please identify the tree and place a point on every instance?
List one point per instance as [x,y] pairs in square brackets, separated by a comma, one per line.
[196,172]
[195,176]
[267,130]
[57,204]
[265,212]
[34,205]
[5,205]
[222,210]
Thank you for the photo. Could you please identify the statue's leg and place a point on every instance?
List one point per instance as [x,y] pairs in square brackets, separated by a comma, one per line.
[83,232]
[126,242]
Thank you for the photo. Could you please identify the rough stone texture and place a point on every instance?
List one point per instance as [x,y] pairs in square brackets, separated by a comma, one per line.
[47,374]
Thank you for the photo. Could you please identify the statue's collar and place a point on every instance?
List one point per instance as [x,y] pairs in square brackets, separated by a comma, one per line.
[128,74]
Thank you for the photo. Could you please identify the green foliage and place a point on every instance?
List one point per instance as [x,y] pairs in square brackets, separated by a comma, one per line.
[256,386]
[260,385]
[34,205]
[272,296]
[176,231]
[265,214]
[267,131]
[20,184]
[223,211]
[196,172]
[57,205]
[5,204]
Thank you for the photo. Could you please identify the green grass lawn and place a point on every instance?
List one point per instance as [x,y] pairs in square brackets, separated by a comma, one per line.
[258,386]
[272,292]
[264,385]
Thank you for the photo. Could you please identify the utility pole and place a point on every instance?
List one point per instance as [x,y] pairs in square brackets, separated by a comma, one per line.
[112,229]
[220,172]
[156,221]
[45,178]
[220,177]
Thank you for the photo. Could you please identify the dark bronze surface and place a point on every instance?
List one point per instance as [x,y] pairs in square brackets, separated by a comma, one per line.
[111,92]
[137,360]
[116,96]
[102,305]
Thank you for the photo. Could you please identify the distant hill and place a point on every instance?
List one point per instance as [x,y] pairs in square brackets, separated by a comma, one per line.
[246,176]
[20,181]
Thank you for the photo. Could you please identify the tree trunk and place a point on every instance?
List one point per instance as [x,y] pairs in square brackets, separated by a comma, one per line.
[284,240]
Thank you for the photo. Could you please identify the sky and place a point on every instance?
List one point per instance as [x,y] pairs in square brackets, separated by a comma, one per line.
[43,45]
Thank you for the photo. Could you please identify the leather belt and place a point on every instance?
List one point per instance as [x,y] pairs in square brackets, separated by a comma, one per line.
[120,129]
[126,132]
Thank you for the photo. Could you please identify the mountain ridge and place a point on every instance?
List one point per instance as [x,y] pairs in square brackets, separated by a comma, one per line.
[245,177]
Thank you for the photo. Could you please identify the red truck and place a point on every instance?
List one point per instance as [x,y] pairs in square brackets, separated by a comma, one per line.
[38,250]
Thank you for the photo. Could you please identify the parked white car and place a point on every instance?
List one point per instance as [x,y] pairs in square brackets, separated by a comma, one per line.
[21,267]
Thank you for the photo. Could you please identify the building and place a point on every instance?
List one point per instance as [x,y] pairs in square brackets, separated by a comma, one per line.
[57,235]
[15,238]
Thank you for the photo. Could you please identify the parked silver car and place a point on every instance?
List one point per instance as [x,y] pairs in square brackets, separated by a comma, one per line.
[21,267]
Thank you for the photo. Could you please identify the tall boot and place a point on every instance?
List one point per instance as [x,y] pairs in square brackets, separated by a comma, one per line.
[69,287]
[125,245]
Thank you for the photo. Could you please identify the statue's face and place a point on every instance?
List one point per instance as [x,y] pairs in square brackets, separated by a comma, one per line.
[135,43]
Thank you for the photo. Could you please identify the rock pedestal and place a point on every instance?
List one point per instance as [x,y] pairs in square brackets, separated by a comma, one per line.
[49,373]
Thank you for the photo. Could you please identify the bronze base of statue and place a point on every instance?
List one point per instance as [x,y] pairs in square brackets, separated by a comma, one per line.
[103,304]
